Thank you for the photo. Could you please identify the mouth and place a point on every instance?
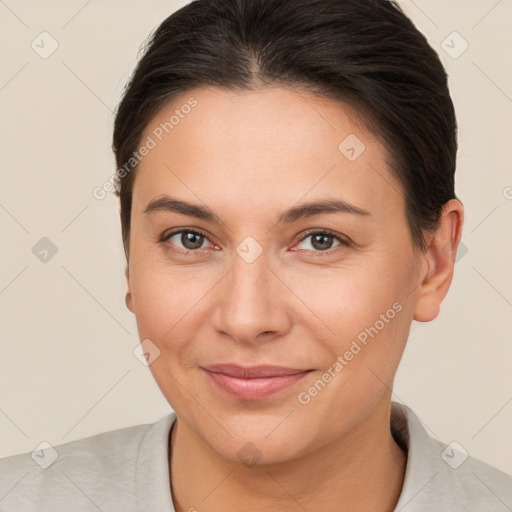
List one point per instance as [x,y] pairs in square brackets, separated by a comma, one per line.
[253,382]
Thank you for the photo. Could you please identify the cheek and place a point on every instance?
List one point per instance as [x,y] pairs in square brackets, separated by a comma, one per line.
[363,314]
[166,301]
[348,299]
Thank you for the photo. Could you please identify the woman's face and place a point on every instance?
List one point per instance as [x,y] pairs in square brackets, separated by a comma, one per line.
[255,283]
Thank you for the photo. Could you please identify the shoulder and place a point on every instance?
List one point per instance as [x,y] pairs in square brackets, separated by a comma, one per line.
[444,476]
[98,470]
[468,482]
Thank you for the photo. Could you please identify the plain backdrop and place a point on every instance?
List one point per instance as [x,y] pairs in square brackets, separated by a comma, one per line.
[67,368]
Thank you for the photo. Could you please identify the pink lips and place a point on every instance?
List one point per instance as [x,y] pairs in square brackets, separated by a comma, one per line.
[254,382]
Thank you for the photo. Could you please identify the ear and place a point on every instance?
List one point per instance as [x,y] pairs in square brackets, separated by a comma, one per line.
[439,260]
[128,299]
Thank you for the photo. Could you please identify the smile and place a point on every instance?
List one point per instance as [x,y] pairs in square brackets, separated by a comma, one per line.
[253,383]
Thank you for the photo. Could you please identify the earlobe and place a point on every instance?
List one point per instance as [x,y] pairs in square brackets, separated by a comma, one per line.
[427,306]
[128,298]
[128,301]
[439,260]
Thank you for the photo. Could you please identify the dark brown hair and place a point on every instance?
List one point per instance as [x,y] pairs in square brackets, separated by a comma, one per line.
[365,53]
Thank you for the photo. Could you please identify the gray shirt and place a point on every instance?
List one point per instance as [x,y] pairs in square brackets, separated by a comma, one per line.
[126,470]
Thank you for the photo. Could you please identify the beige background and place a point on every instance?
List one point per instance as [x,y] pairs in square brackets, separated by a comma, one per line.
[67,368]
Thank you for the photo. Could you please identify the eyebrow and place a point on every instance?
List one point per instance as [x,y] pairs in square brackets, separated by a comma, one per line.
[169,204]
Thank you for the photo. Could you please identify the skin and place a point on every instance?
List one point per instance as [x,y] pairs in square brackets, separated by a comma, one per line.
[250,156]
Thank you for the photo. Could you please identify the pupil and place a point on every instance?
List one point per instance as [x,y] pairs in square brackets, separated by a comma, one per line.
[322,241]
[187,239]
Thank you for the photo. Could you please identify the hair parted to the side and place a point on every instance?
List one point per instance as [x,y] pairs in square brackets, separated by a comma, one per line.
[365,53]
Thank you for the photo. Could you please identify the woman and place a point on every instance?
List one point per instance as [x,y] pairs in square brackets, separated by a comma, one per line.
[286,182]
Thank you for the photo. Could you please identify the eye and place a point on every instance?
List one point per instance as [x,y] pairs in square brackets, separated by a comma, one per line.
[189,239]
[322,242]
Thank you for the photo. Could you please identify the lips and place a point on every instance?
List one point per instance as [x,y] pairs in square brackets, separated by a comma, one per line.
[252,372]
[253,382]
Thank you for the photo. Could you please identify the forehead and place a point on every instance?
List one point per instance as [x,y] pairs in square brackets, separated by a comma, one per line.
[271,146]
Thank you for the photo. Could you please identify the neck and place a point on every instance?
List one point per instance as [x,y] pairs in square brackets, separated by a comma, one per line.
[363,470]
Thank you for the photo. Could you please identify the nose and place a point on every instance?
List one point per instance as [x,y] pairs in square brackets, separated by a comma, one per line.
[252,303]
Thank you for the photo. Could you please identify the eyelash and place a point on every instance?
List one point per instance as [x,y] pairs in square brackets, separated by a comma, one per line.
[343,243]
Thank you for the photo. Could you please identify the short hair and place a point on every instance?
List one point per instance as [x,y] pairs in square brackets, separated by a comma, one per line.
[365,53]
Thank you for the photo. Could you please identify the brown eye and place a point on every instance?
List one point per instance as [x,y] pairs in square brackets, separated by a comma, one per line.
[322,241]
[189,240]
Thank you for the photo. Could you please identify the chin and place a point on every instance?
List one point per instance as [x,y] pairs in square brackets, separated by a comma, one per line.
[258,440]
[260,453]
